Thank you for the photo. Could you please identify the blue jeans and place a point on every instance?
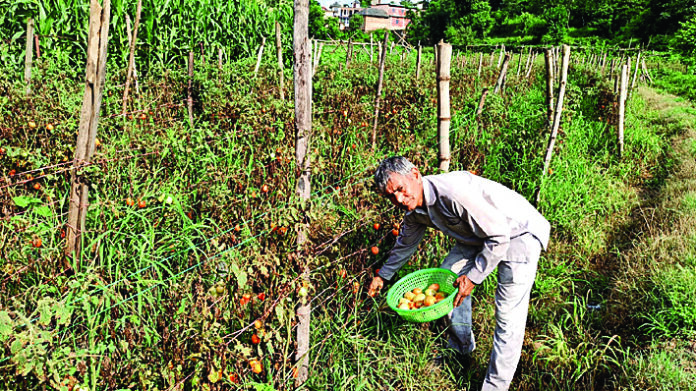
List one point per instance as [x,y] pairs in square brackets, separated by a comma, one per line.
[515,280]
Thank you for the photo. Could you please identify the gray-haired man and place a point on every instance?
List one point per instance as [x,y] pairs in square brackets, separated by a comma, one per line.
[494,227]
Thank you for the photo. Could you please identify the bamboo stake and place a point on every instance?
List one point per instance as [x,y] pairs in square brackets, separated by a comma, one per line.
[259,56]
[443,108]
[519,63]
[557,116]
[548,56]
[95,75]
[531,66]
[635,74]
[478,74]
[349,51]
[371,47]
[380,80]
[189,101]
[623,92]
[647,74]
[502,54]
[220,58]
[281,75]
[482,101]
[303,133]
[131,55]
[28,56]
[418,61]
[38,47]
[501,76]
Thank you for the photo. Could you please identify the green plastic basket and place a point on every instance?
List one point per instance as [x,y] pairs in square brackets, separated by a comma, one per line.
[422,279]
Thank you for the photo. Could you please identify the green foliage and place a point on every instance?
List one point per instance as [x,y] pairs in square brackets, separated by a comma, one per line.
[684,42]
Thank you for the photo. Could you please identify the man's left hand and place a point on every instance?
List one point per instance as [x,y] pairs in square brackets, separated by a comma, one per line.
[465,286]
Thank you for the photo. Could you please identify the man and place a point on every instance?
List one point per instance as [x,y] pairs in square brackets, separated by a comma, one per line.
[493,227]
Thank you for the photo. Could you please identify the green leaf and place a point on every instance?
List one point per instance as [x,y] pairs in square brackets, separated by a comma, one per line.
[16,346]
[6,325]
[24,201]
[43,211]
[240,274]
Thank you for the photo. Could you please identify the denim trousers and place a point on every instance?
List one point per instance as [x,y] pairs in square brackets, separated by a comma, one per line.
[515,280]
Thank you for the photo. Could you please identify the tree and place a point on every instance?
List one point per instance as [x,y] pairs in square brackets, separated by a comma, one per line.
[684,42]
[457,21]
[320,27]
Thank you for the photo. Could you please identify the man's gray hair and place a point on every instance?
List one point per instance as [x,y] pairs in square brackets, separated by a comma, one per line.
[388,166]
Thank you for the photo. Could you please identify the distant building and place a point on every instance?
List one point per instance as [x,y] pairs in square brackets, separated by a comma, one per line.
[328,13]
[345,12]
[381,14]
[385,15]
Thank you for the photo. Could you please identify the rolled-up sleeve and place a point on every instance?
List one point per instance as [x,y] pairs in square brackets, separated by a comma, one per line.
[406,244]
[489,224]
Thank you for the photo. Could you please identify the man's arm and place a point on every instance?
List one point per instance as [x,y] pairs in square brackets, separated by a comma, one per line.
[406,244]
[489,224]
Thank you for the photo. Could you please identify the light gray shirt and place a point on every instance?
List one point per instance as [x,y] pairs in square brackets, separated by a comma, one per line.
[475,212]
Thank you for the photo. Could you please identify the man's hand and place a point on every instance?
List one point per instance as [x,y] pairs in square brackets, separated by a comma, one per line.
[465,286]
[375,286]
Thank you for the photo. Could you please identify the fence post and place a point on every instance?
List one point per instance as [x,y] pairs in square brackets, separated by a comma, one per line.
[418,61]
[28,55]
[478,75]
[444,59]
[557,114]
[303,132]
[503,72]
[380,80]
[259,56]
[635,74]
[279,48]
[189,101]
[89,118]
[131,55]
[548,56]
[622,106]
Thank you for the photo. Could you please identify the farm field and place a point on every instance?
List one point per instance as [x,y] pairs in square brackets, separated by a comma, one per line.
[189,274]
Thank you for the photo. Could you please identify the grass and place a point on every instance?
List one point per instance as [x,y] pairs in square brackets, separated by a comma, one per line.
[143,309]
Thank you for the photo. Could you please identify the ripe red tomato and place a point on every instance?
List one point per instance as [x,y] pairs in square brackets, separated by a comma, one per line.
[37,242]
[37,186]
[376,226]
[130,202]
[264,188]
[375,250]
[261,296]
[395,232]
[255,339]
[141,204]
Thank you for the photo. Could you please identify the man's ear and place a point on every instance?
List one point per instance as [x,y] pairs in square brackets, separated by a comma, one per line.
[415,172]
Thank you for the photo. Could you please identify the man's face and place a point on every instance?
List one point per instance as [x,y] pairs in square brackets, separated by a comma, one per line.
[405,191]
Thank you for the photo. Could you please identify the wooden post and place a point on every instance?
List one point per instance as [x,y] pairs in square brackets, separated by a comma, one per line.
[557,115]
[28,55]
[131,55]
[303,133]
[378,96]
[623,92]
[482,102]
[189,101]
[548,56]
[220,58]
[279,48]
[519,63]
[490,62]
[89,118]
[444,57]
[635,73]
[316,58]
[531,66]
[604,63]
[371,47]
[38,48]
[478,75]
[501,76]
[418,61]
[647,74]
[349,51]
[502,54]
[259,56]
